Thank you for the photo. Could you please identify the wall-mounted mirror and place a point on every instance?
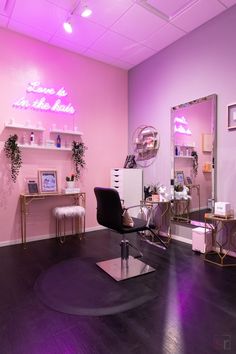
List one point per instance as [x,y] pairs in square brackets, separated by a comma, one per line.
[193,129]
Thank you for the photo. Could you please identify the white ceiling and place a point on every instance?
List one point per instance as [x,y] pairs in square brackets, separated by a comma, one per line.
[119,32]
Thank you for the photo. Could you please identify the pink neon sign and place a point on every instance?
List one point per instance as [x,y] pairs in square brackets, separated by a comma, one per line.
[43,103]
[181,126]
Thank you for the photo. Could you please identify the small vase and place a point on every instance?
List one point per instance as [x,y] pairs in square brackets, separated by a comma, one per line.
[70,184]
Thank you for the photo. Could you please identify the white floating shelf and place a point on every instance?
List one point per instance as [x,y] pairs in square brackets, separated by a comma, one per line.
[25,127]
[183,157]
[68,132]
[43,147]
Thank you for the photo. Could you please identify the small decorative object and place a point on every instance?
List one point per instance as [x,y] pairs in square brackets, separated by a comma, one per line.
[32,186]
[78,151]
[195,162]
[232,116]
[130,162]
[58,141]
[47,181]
[70,181]
[180,177]
[13,153]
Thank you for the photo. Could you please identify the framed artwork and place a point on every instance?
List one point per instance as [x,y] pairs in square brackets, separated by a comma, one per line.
[232,116]
[31,185]
[47,181]
[207,142]
[179,177]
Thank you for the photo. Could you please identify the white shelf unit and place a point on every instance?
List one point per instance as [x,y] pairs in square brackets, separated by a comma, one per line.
[66,132]
[25,127]
[129,184]
[43,147]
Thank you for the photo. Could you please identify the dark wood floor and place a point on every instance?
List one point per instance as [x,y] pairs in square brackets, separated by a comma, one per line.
[195,311]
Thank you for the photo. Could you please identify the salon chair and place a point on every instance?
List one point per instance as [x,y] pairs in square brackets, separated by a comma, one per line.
[110,214]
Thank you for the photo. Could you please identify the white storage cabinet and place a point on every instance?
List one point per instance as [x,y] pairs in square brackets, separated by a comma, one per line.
[129,184]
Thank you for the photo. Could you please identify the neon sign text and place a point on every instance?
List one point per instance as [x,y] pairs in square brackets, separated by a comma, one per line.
[181,126]
[43,103]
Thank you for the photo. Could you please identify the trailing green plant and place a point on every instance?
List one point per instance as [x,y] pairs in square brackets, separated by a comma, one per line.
[13,153]
[78,151]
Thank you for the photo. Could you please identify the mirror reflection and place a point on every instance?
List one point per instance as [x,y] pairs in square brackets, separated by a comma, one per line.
[193,146]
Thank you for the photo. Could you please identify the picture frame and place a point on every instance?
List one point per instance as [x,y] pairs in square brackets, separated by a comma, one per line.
[31,185]
[47,181]
[232,116]
[179,175]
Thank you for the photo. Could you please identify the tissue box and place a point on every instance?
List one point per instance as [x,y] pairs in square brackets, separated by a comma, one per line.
[201,240]
[222,209]
[71,190]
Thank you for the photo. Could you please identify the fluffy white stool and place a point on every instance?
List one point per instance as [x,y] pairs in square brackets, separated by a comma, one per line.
[61,213]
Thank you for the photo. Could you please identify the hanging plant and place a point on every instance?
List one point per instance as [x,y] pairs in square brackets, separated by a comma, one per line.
[13,153]
[78,151]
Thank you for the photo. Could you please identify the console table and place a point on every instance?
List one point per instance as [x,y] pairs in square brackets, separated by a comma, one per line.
[27,199]
[220,255]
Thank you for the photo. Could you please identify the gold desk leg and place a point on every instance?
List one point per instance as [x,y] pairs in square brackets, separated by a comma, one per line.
[23,220]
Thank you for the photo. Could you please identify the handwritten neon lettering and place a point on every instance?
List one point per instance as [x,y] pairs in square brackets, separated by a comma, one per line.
[41,103]
[181,120]
[182,130]
[22,103]
[36,88]
[58,107]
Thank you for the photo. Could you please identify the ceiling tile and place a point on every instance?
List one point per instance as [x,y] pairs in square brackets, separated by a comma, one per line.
[74,47]
[39,14]
[65,4]
[164,37]
[138,23]
[199,13]
[106,12]
[29,31]
[84,32]
[137,54]
[113,44]
[170,7]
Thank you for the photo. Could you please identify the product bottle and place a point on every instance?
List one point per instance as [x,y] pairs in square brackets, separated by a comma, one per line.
[58,141]
[32,138]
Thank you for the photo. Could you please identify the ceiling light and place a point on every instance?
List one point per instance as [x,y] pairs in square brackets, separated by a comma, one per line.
[67,27]
[86,11]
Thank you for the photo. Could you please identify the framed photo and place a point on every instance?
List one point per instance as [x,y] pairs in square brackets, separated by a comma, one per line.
[179,177]
[47,181]
[189,180]
[232,116]
[31,186]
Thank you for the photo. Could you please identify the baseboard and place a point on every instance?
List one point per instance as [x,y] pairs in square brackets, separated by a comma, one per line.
[44,237]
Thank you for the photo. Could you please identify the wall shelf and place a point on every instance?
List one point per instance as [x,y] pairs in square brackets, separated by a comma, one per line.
[25,127]
[183,157]
[43,147]
[66,132]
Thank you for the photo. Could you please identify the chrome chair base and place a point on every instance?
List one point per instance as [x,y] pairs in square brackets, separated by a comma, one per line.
[121,269]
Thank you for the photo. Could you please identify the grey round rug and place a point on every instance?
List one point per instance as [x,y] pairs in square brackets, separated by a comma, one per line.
[79,287]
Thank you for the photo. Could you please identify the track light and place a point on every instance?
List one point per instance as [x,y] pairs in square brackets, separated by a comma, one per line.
[83,10]
[86,11]
[67,26]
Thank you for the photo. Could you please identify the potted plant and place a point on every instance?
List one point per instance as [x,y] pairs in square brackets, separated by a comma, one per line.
[13,153]
[70,181]
[78,151]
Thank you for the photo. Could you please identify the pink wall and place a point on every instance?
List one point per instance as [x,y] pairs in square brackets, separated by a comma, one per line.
[197,65]
[97,91]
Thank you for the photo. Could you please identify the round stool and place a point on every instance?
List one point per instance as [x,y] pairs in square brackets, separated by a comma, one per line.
[63,212]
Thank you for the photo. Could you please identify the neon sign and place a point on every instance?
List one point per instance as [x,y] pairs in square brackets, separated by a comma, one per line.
[181,126]
[44,103]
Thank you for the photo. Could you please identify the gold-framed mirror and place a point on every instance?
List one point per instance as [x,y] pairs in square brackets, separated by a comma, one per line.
[193,140]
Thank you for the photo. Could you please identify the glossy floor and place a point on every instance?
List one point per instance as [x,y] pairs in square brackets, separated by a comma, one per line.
[194,312]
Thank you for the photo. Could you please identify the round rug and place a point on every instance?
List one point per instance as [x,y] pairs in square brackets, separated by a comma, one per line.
[79,287]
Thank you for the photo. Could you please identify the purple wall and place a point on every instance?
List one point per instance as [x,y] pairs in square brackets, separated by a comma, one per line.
[200,64]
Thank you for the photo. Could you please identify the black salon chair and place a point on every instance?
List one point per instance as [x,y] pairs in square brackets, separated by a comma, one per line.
[110,215]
